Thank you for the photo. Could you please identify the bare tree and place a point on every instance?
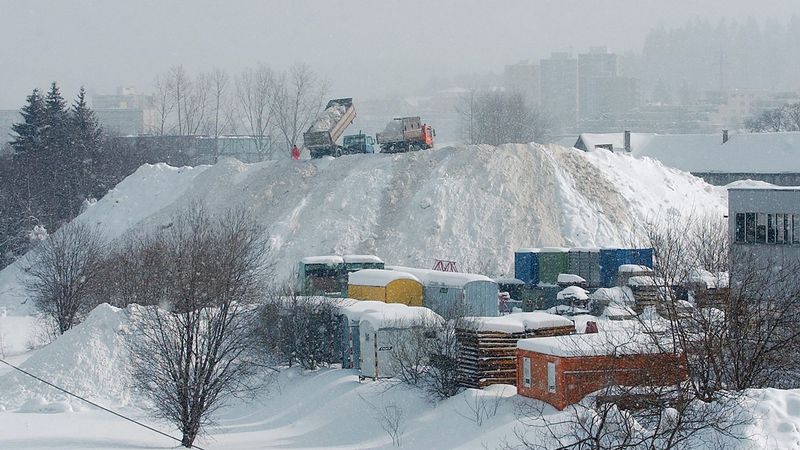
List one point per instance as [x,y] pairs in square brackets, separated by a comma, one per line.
[163,102]
[782,118]
[498,117]
[193,351]
[391,418]
[219,104]
[254,90]
[63,278]
[180,84]
[297,100]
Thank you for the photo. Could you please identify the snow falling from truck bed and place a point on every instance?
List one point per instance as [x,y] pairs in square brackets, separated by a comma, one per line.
[329,118]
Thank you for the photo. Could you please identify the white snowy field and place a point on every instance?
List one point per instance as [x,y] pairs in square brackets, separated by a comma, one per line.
[475,205]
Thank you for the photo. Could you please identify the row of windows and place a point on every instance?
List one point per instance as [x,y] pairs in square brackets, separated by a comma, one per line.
[765,228]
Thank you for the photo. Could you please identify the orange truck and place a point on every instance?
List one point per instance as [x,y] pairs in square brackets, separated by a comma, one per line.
[405,134]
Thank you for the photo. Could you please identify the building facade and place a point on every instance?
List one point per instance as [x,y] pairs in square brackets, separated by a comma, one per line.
[764,228]
[559,88]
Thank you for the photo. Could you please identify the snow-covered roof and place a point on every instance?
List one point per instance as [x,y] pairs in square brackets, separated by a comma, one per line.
[554,250]
[710,280]
[742,153]
[529,250]
[614,295]
[750,185]
[378,277]
[398,315]
[362,259]
[509,281]
[452,279]
[593,344]
[644,280]
[566,309]
[517,322]
[616,310]
[585,249]
[632,268]
[356,308]
[327,259]
[575,292]
[570,278]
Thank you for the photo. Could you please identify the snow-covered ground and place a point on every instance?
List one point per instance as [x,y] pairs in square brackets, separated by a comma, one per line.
[475,205]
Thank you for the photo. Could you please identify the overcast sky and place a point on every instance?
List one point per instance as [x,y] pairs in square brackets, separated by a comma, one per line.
[364,47]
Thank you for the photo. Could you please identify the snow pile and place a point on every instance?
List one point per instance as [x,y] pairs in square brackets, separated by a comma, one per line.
[475,205]
[708,279]
[634,268]
[89,360]
[517,322]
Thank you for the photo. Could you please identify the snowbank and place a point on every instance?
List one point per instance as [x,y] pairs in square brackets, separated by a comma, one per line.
[570,278]
[89,360]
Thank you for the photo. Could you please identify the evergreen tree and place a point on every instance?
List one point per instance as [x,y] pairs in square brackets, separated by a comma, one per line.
[29,131]
[86,141]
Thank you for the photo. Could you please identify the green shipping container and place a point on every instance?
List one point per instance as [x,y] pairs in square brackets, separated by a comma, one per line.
[552,262]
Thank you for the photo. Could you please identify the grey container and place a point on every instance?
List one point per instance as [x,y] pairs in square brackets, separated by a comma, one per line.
[586,264]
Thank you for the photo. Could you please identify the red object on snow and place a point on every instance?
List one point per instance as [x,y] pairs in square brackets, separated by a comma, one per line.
[295,153]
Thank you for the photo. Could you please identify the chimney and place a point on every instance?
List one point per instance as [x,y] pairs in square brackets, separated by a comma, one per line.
[627,141]
[724,136]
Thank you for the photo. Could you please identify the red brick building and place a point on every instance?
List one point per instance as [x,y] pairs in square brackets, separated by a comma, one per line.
[561,370]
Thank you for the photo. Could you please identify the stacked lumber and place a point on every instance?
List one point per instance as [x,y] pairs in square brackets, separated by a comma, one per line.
[487,347]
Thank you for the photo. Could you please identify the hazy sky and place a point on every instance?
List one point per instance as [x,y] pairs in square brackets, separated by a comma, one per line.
[363,47]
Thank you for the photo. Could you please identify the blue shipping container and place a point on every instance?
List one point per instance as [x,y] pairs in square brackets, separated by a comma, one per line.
[609,265]
[526,267]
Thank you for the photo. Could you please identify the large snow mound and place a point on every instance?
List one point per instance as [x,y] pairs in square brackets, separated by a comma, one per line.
[475,205]
[89,360]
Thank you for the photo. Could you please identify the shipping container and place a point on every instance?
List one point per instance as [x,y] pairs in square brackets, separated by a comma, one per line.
[388,286]
[349,318]
[552,262]
[381,332]
[526,265]
[585,262]
[453,293]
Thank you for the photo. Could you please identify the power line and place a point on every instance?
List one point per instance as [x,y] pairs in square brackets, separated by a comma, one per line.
[93,403]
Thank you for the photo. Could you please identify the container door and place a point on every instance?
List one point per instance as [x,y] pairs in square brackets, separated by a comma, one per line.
[367,352]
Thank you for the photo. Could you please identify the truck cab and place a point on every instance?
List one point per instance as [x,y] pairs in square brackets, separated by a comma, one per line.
[358,143]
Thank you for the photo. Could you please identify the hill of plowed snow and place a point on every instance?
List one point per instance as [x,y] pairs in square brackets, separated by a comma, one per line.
[474,205]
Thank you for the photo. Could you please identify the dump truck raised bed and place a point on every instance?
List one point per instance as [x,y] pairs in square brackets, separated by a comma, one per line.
[320,139]
[405,134]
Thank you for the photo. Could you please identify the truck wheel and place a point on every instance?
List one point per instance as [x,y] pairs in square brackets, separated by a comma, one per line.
[337,153]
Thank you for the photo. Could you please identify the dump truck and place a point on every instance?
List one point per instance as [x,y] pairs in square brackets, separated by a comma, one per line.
[321,137]
[405,134]
[358,143]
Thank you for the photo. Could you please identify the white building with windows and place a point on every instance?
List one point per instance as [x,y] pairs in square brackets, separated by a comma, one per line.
[764,227]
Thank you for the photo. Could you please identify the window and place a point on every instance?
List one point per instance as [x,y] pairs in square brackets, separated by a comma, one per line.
[740,228]
[551,377]
[796,226]
[787,229]
[770,228]
[443,290]
[526,372]
[750,228]
[761,228]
